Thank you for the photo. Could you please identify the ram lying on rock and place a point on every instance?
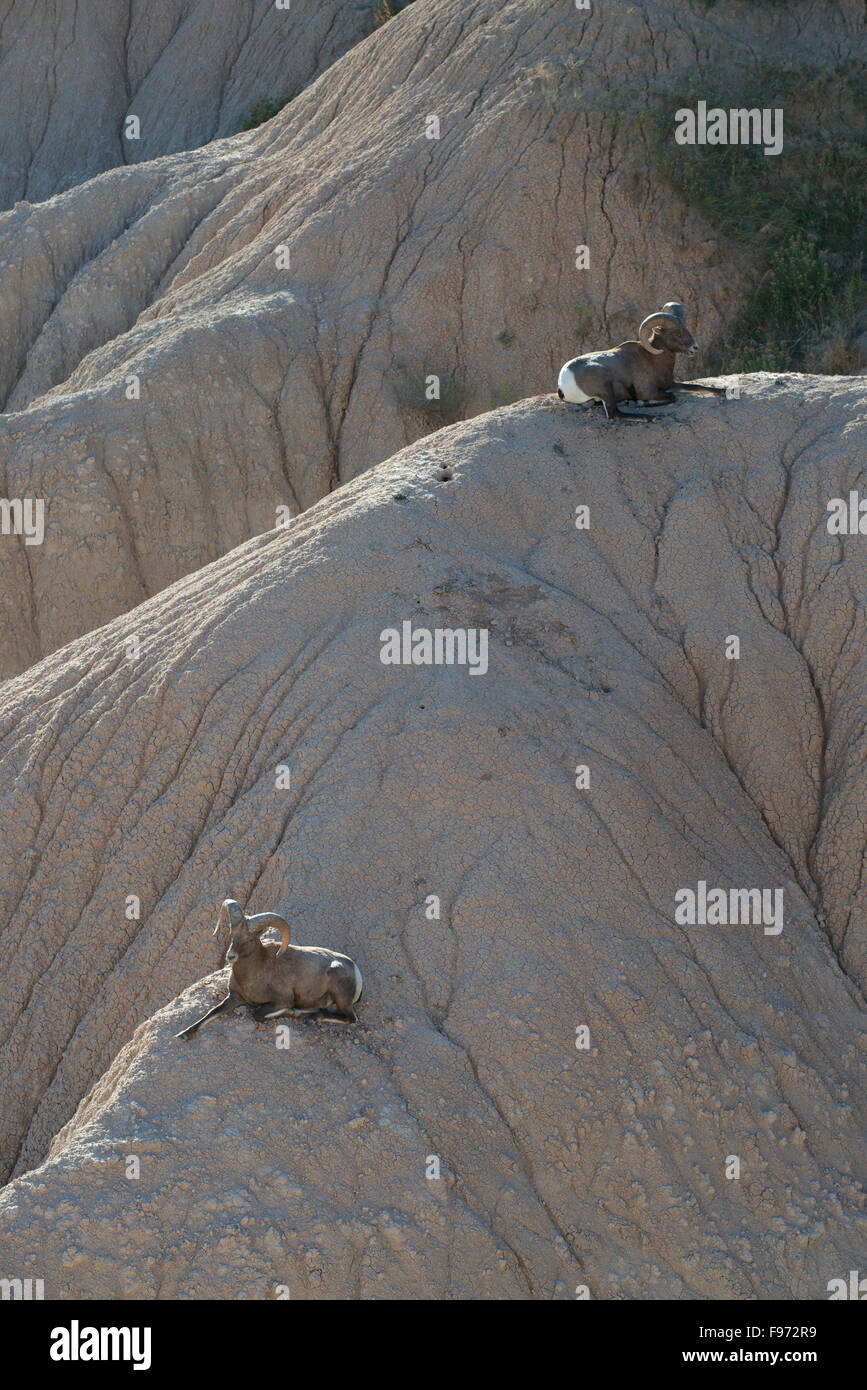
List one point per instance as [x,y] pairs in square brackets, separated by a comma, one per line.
[294,980]
[641,372]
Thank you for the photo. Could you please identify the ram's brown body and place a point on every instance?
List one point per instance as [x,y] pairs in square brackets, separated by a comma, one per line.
[285,980]
[641,371]
[298,977]
[628,372]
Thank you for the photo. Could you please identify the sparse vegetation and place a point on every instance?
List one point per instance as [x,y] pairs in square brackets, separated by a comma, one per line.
[800,214]
[381,11]
[551,83]
[583,315]
[503,394]
[264,110]
[505,337]
[411,393]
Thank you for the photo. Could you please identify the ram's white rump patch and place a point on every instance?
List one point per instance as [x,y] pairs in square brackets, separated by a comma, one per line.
[571,390]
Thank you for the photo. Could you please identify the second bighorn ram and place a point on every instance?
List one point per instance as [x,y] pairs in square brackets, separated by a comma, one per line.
[295,980]
[642,371]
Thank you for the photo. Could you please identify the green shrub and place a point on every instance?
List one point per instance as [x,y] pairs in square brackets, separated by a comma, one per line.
[379,12]
[800,215]
[263,111]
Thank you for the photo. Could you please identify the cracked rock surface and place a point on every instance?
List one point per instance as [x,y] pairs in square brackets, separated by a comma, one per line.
[304,1167]
[192,342]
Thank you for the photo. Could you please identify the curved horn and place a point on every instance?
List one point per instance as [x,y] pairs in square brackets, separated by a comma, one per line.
[674,308]
[647,325]
[231,910]
[263,920]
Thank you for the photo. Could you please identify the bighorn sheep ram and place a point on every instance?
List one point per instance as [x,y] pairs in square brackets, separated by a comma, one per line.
[295,980]
[640,371]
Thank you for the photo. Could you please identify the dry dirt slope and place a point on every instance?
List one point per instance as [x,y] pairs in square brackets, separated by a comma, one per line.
[156,777]
[189,70]
[264,384]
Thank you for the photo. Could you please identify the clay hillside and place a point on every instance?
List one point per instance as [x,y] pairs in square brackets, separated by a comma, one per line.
[192,342]
[77,77]
[143,761]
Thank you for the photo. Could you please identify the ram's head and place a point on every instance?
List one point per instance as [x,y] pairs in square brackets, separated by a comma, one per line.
[667,331]
[247,930]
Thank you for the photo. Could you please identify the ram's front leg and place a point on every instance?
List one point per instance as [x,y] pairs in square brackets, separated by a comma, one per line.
[230,1002]
[273,1009]
[704,390]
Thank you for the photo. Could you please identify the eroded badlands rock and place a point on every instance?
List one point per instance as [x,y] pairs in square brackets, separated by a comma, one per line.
[188,70]
[156,776]
[172,376]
